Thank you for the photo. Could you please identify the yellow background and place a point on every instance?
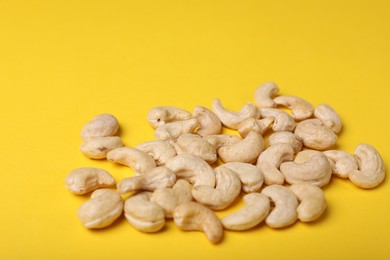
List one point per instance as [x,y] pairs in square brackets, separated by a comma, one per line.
[62,62]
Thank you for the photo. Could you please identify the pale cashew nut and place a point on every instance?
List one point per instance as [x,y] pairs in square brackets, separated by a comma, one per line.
[196,145]
[100,125]
[228,187]
[87,179]
[134,158]
[285,211]
[371,170]
[222,140]
[104,207]
[315,135]
[161,151]
[286,138]
[312,201]
[265,93]
[342,162]
[329,117]
[160,115]
[309,166]
[171,131]
[209,123]
[257,206]
[282,120]
[252,124]
[270,160]
[300,108]
[194,216]
[98,147]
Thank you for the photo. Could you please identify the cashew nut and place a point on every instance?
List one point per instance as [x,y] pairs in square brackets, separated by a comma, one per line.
[98,147]
[342,162]
[371,170]
[209,123]
[134,158]
[221,140]
[285,211]
[282,120]
[161,151]
[252,124]
[194,216]
[265,93]
[300,108]
[286,138]
[171,131]
[196,145]
[315,135]
[160,115]
[87,179]
[329,117]
[100,125]
[104,207]
[256,209]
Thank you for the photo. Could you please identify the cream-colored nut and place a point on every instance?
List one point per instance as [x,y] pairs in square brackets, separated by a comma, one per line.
[286,138]
[232,119]
[329,117]
[342,162]
[160,115]
[265,93]
[285,211]
[194,216]
[100,125]
[222,140]
[192,168]
[170,198]
[161,151]
[270,160]
[282,120]
[87,179]
[371,170]
[247,150]
[196,145]
[300,108]
[142,214]
[209,123]
[158,177]
[315,135]
[104,207]
[98,147]
[252,124]
[171,131]
[256,209]
[228,187]
[312,201]
[250,175]
[309,166]
[134,158]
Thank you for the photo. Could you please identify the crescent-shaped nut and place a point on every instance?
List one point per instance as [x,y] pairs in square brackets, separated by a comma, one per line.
[171,131]
[371,170]
[329,117]
[194,216]
[100,125]
[312,201]
[286,138]
[104,207]
[160,115]
[196,145]
[222,140]
[252,124]
[285,211]
[282,120]
[161,151]
[98,147]
[300,108]
[228,187]
[257,206]
[87,179]
[342,162]
[134,158]
[209,123]
[247,150]
[265,93]
[315,135]
[309,166]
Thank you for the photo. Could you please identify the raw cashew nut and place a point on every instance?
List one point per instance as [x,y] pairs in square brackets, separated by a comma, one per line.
[227,189]
[221,140]
[209,123]
[196,145]
[282,120]
[144,215]
[160,115]
[315,135]
[171,131]
[312,201]
[285,212]
[134,158]
[161,151]
[98,147]
[194,216]
[269,161]
[104,207]
[252,124]
[286,138]
[100,125]
[87,179]
[256,209]
[192,168]
[309,166]
[247,150]
[300,108]
[371,168]
[159,177]
[342,162]
[265,93]
[329,117]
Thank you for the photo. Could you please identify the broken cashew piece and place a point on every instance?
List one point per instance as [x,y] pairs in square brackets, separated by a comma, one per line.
[100,125]
[196,145]
[300,108]
[286,138]
[171,131]
[161,151]
[342,162]
[160,115]
[209,123]
[282,120]
[87,179]
[134,158]
[329,117]
[98,147]
[315,135]
[252,124]
[265,93]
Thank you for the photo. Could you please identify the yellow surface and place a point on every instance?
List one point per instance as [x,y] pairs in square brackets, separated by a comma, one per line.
[62,62]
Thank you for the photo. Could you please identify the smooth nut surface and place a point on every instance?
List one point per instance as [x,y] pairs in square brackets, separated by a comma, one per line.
[286,138]
[196,145]
[171,131]
[87,179]
[342,162]
[282,120]
[160,115]
[134,158]
[265,93]
[161,151]
[209,123]
[329,117]
[301,109]
[100,125]
[315,135]
[98,147]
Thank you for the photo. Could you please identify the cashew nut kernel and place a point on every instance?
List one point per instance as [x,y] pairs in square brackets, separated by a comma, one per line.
[87,179]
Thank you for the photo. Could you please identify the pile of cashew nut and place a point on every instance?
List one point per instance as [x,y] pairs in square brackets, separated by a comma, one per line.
[193,169]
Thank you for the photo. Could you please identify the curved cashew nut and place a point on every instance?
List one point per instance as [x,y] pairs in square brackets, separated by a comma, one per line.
[256,209]
[100,125]
[282,120]
[312,201]
[98,147]
[300,108]
[87,179]
[309,166]
[134,158]
[315,135]
[252,124]
[342,162]
[171,131]
[286,138]
[196,145]
[286,203]
[270,160]
[371,168]
[160,115]
[226,191]
[247,150]
[222,140]
[209,123]
[161,151]
[192,168]
[265,93]
[329,117]
[194,216]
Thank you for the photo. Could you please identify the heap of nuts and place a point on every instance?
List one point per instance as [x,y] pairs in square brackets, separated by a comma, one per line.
[177,175]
